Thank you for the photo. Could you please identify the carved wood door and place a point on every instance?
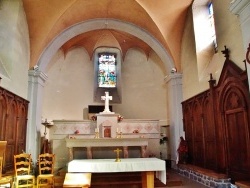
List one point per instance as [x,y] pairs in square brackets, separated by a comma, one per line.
[10,134]
[237,133]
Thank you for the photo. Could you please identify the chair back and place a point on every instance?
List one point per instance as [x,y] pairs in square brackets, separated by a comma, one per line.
[1,166]
[46,163]
[2,152]
[22,164]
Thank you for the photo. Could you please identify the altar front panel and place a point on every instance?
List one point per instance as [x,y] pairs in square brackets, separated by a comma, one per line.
[125,165]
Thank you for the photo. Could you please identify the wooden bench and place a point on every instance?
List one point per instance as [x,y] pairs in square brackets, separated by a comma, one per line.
[77,180]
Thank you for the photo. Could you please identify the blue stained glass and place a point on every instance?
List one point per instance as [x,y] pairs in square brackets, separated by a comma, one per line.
[210,9]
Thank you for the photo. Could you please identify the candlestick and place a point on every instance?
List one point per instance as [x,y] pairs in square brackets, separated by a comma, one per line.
[117,155]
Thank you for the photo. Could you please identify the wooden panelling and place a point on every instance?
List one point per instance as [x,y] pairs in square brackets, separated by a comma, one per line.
[217,126]
[13,123]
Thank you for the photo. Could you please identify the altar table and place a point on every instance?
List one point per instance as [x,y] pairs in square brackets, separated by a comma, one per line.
[148,167]
[89,143]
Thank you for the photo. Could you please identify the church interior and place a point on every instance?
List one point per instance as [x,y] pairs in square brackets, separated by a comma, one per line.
[125,81]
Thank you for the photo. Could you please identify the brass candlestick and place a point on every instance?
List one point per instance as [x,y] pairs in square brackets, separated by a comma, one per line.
[96,134]
[117,155]
[118,134]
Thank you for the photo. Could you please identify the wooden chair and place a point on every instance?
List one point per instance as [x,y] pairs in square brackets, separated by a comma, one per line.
[3,145]
[4,180]
[22,166]
[45,177]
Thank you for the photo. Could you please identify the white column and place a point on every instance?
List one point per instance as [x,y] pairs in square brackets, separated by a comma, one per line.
[35,97]
[242,8]
[174,91]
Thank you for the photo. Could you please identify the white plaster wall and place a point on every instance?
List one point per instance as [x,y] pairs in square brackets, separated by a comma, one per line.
[228,33]
[14,47]
[69,87]
[242,10]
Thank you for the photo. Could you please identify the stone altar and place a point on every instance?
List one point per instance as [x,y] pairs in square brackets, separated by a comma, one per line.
[131,128]
[103,142]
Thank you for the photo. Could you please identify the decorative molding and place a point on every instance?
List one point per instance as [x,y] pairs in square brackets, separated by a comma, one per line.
[173,76]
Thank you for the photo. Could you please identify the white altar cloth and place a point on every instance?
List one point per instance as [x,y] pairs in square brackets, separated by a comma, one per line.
[126,165]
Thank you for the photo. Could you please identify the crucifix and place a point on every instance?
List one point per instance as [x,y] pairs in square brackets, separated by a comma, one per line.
[106,98]
[117,155]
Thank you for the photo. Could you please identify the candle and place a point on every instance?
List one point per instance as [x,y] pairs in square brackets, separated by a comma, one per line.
[117,130]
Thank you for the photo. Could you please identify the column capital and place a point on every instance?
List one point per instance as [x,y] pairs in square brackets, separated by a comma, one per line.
[171,77]
[38,74]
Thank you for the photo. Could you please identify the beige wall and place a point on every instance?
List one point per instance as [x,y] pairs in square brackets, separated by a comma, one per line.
[228,33]
[69,88]
[14,47]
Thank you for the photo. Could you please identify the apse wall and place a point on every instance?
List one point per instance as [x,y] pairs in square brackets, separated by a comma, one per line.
[69,88]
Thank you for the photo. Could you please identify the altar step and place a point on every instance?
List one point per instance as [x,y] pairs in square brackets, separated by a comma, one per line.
[133,180]
[114,180]
[121,180]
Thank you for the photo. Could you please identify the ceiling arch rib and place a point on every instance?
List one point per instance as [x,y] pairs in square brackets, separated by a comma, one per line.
[109,38]
[97,24]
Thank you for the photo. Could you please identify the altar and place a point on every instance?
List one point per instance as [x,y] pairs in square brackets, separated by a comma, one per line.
[149,167]
[125,143]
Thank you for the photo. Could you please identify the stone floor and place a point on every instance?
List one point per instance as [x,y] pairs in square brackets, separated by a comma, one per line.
[177,180]
[134,181]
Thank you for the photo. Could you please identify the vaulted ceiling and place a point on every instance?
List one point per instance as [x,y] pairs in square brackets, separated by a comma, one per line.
[163,19]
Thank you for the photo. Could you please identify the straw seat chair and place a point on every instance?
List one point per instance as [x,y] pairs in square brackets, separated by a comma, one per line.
[45,177]
[22,166]
[4,180]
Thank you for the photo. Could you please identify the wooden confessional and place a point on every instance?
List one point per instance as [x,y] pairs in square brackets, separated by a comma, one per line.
[13,123]
[217,124]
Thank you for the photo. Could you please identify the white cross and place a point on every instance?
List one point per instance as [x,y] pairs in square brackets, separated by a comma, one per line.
[106,98]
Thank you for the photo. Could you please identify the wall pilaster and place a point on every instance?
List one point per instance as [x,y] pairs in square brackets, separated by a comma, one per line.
[175,97]
[35,96]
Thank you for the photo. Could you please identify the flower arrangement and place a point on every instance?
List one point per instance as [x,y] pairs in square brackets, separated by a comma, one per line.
[136,131]
[94,118]
[120,118]
[163,140]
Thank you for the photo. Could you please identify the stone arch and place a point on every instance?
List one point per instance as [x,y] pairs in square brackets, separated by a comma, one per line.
[96,24]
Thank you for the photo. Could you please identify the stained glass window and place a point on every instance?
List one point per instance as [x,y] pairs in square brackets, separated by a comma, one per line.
[107,70]
[212,26]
